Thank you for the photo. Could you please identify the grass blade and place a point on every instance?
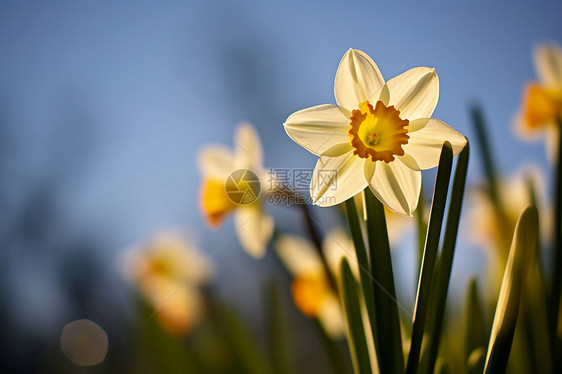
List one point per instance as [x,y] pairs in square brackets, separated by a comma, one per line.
[520,257]
[430,255]
[363,263]
[476,332]
[352,307]
[445,263]
[389,352]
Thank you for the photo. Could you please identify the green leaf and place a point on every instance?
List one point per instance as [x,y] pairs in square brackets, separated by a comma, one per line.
[486,154]
[339,364]
[389,344]
[352,307]
[279,332]
[421,228]
[363,264]
[445,263]
[476,335]
[556,289]
[520,257]
[430,255]
[245,349]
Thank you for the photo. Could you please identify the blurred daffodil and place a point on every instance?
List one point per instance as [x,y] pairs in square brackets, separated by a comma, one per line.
[378,135]
[233,183]
[168,272]
[541,108]
[312,292]
[486,226]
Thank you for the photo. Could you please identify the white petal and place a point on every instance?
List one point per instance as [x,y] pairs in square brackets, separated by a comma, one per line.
[249,153]
[552,136]
[414,93]
[319,128]
[336,179]
[548,62]
[338,150]
[358,79]
[216,161]
[369,169]
[427,136]
[254,229]
[331,317]
[337,245]
[298,255]
[397,186]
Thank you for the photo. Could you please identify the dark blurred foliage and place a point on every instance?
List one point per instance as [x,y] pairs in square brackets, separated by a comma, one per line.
[50,273]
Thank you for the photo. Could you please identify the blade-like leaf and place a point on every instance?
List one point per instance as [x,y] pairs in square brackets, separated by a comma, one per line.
[430,255]
[352,307]
[444,265]
[363,264]
[389,347]
[245,349]
[476,335]
[521,254]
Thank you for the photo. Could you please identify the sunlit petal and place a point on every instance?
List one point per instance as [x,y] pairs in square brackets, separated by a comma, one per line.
[358,79]
[548,62]
[319,128]
[248,148]
[298,255]
[427,136]
[397,186]
[254,229]
[336,179]
[216,161]
[414,93]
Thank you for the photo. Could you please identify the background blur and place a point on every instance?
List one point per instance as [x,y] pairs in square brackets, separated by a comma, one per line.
[103,108]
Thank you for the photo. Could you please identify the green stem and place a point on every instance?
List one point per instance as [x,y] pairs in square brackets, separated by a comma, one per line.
[430,255]
[422,229]
[389,353]
[352,306]
[557,263]
[315,237]
[363,264]
[445,263]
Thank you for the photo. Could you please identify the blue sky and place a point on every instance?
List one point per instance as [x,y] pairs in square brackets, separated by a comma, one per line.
[134,133]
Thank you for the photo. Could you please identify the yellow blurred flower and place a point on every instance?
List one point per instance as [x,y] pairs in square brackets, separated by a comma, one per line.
[486,228]
[541,106]
[312,292]
[168,271]
[232,183]
[379,134]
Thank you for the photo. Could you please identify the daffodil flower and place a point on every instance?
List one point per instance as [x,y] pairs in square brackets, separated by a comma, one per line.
[378,135]
[485,227]
[312,292]
[541,107]
[168,271]
[217,163]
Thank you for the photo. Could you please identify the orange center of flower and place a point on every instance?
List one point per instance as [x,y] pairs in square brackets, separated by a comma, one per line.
[378,133]
[541,106]
[309,292]
[215,204]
